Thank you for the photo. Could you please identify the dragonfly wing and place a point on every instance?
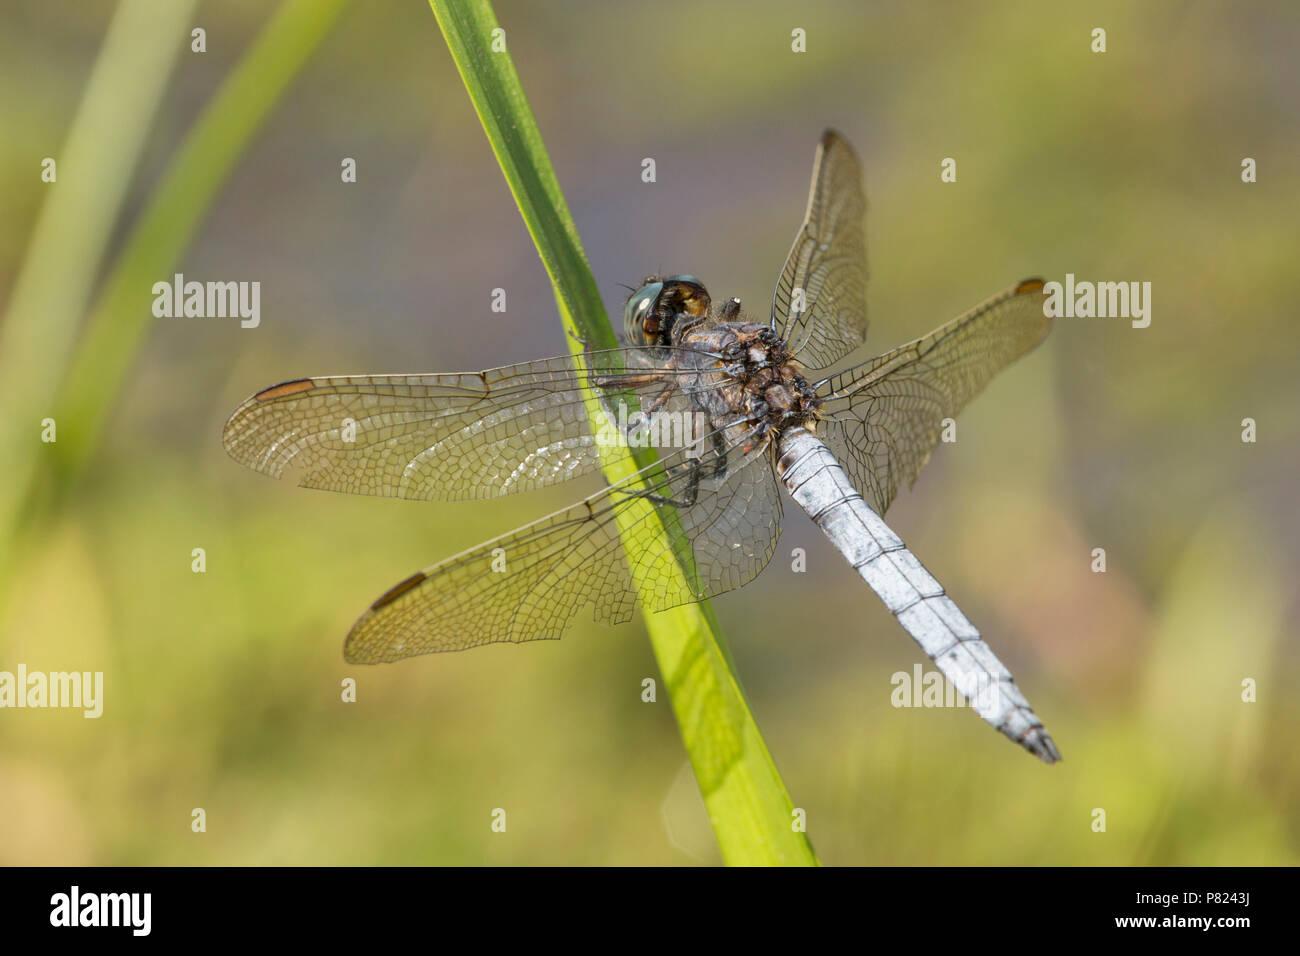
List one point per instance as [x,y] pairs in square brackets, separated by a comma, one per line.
[884,418]
[452,436]
[828,262]
[528,585]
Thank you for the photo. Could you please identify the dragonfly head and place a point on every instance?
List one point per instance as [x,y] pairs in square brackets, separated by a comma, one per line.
[652,311]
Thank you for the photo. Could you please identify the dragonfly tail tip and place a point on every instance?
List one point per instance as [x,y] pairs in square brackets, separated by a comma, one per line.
[1039,743]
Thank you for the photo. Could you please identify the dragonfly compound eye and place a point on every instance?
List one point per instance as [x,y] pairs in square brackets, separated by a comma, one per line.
[652,311]
[685,294]
[641,323]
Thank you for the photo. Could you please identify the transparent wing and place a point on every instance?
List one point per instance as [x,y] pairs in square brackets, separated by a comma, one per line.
[452,436]
[528,585]
[828,262]
[883,418]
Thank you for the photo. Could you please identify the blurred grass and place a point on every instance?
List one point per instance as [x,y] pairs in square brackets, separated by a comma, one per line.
[44,317]
[68,244]
[230,122]
[748,805]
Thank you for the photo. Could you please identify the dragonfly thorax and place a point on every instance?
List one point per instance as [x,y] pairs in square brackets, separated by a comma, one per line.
[763,380]
[761,384]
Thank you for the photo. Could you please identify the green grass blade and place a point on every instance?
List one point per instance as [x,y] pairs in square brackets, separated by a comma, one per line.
[747,802]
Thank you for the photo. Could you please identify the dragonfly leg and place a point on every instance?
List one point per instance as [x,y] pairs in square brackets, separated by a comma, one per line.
[720,451]
[716,441]
[694,470]
[586,345]
[626,379]
[639,417]
[690,494]
[662,397]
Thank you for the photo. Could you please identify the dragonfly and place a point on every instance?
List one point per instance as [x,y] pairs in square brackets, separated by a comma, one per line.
[730,408]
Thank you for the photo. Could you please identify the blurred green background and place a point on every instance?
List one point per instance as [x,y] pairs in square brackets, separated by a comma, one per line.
[222,688]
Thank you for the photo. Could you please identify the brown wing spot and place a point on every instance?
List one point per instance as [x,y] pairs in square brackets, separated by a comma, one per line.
[284,388]
[397,590]
[1030,285]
